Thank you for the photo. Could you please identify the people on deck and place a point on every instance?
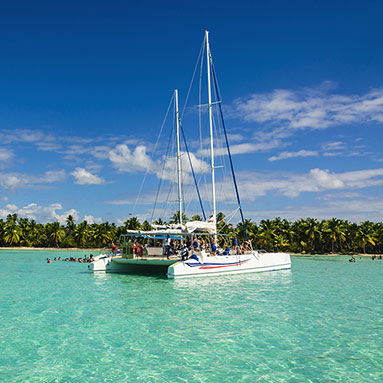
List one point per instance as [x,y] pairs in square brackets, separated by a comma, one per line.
[185,253]
[234,243]
[213,248]
[114,247]
[195,244]
[167,245]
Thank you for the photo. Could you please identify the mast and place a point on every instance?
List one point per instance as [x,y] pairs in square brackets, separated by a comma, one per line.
[178,154]
[211,131]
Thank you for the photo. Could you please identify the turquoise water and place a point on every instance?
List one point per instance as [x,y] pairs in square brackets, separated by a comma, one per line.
[320,322]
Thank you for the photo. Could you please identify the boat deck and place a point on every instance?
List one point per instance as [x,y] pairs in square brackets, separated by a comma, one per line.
[148,260]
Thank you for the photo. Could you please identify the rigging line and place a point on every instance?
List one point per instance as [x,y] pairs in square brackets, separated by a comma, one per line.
[230,216]
[166,203]
[151,157]
[228,148]
[227,197]
[191,166]
[200,95]
[192,80]
[162,171]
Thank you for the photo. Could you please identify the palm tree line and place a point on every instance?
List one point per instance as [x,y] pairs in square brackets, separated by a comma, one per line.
[301,236]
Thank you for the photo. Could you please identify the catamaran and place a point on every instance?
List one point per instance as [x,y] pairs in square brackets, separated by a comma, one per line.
[180,250]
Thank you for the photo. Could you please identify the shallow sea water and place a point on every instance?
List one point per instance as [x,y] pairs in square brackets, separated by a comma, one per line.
[320,322]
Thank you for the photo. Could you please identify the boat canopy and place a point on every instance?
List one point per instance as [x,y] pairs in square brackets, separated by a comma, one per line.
[205,226]
[188,228]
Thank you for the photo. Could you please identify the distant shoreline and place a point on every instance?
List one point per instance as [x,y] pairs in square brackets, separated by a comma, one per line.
[334,255]
[107,250]
[51,249]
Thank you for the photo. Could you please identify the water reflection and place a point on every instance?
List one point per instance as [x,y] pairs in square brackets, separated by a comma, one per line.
[234,281]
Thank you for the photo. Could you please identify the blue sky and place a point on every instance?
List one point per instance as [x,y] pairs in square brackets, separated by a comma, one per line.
[85,87]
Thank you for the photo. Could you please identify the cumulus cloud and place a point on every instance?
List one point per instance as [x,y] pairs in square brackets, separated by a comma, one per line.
[90,219]
[39,213]
[83,177]
[126,160]
[314,108]
[300,153]
[5,155]
[253,184]
[132,161]
[355,210]
[9,181]
[334,145]
[13,181]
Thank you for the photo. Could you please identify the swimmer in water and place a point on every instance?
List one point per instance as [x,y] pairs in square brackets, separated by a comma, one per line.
[49,260]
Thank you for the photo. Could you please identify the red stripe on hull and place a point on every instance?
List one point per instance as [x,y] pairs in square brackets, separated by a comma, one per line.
[219,267]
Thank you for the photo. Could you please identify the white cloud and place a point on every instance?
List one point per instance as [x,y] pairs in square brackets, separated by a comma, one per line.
[300,153]
[5,155]
[9,181]
[48,146]
[326,180]
[83,177]
[252,184]
[90,219]
[22,135]
[332,154]
[39,213]
[132,161]
[126,160]
[311,108]
[13,181]
[51,176]
[335,145]
[354,210]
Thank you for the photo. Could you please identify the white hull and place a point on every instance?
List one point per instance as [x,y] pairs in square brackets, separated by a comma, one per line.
[100,262]
[252,262]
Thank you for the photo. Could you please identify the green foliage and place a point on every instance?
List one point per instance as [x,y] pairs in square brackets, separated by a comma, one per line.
[304,235]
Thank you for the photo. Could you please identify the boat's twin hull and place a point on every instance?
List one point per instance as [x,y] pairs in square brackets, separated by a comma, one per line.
[216,265]
[233,264]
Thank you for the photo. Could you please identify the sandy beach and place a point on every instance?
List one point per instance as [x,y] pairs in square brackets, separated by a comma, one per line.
[52,249]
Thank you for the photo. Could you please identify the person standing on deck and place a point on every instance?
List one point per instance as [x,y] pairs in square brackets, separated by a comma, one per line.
[234,244]
[213,248]
[195,244]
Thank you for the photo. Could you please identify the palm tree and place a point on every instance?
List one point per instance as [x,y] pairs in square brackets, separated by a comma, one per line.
[70,223]
[12,233]
[280,242]
[312,233]
[175,218]
[146,226]
[57,233]
[81,233]
[266,234]
[104,233]
[366,235]
[132,224]
[159,221]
